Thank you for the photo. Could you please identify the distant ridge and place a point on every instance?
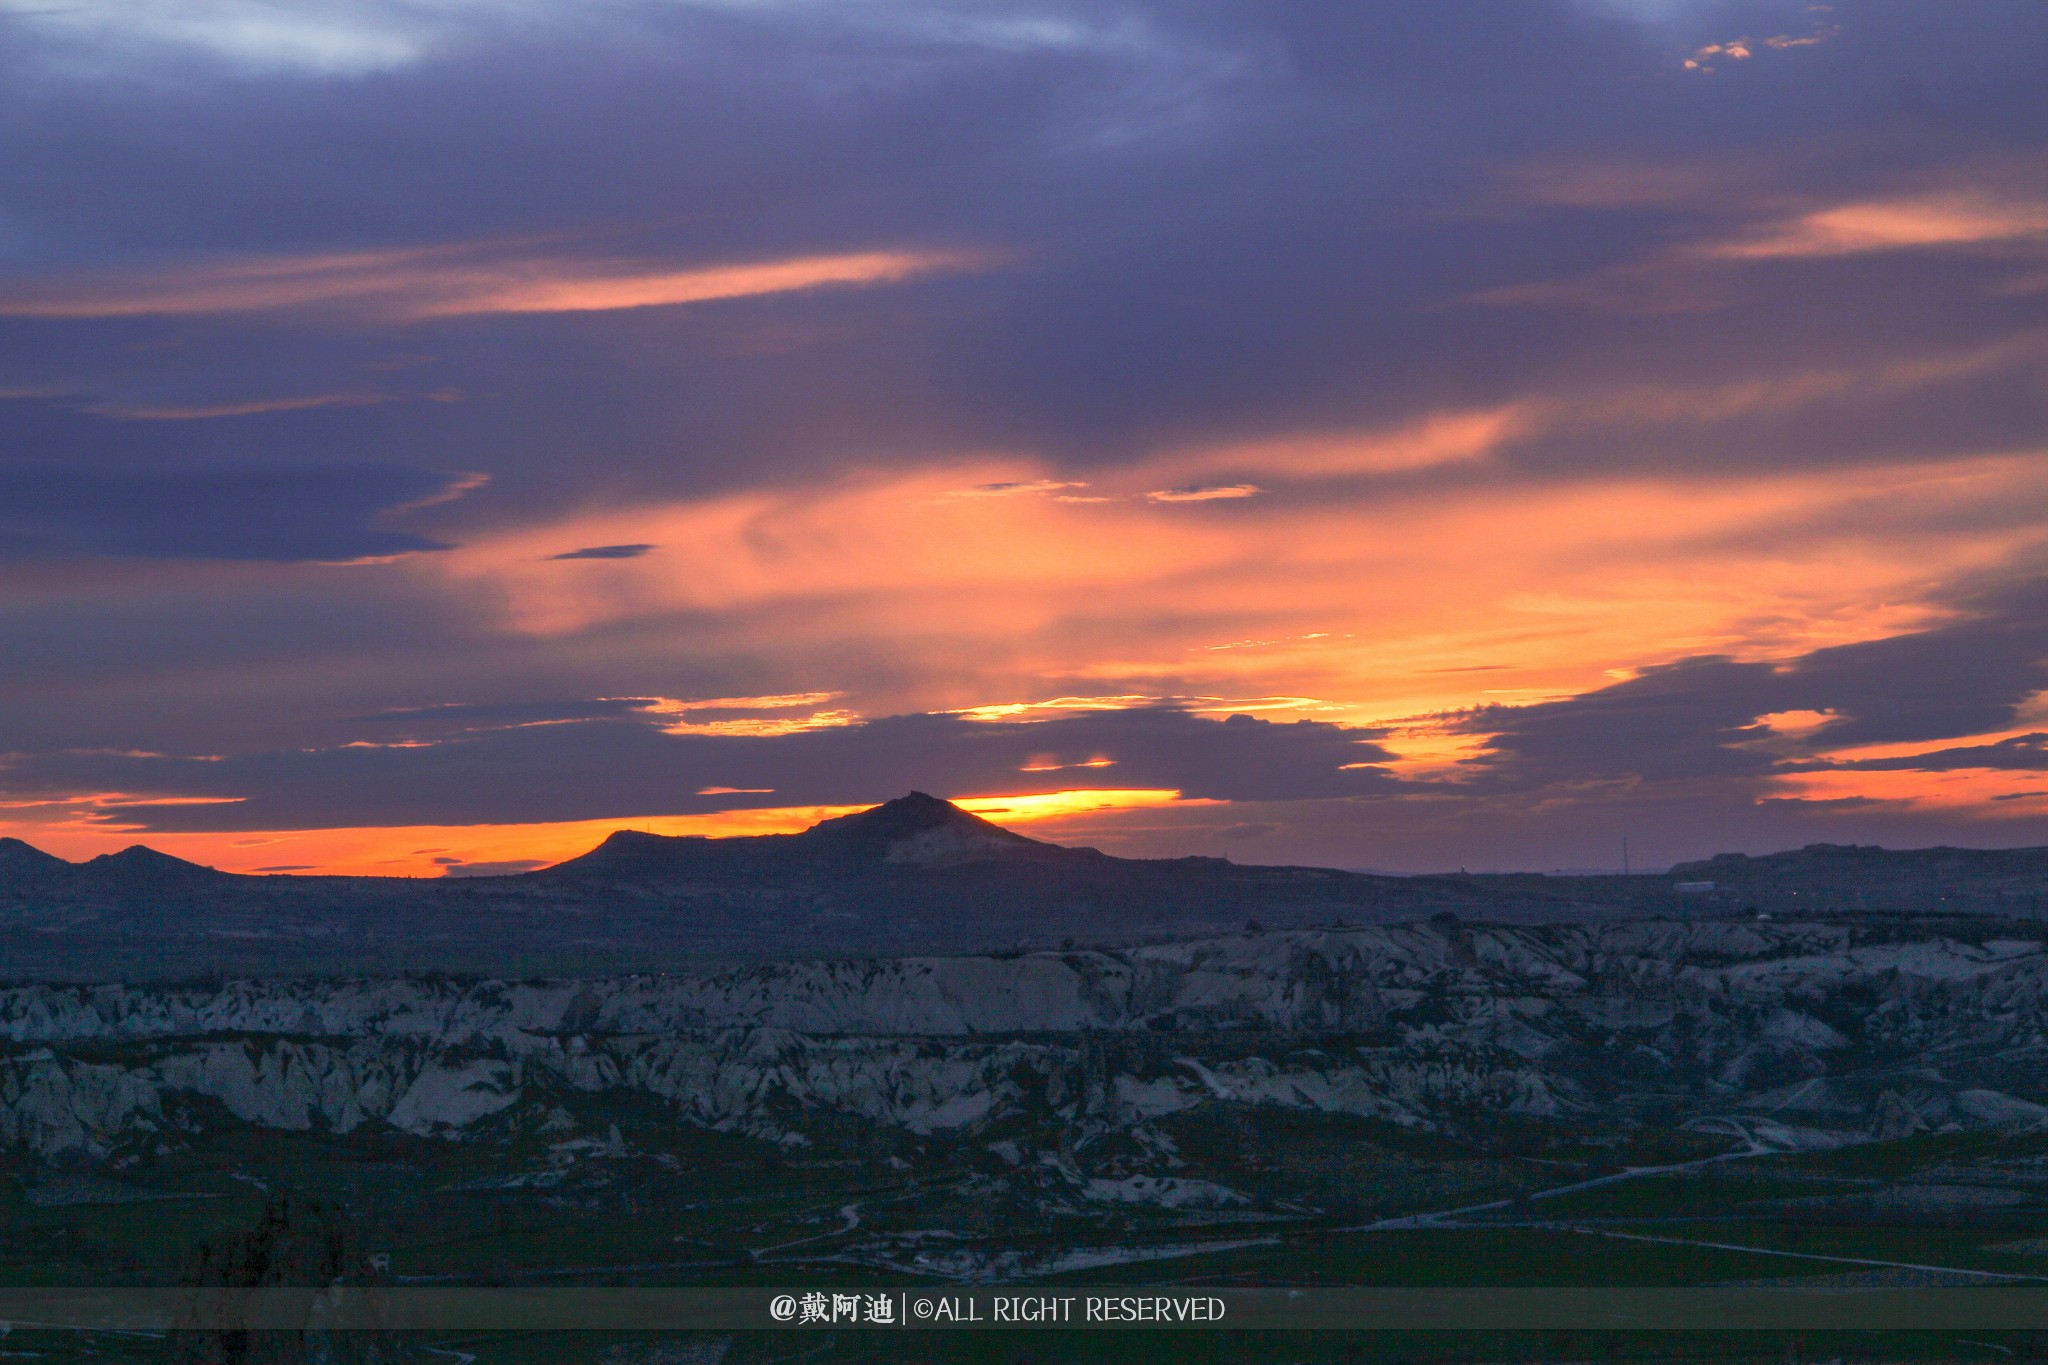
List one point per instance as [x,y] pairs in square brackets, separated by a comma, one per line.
[134,861]
[918,829]
[135,872]
[916,874]
[1869,877]
[1841,856]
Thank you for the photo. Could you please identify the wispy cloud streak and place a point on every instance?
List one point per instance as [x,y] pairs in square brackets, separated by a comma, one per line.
[417,284]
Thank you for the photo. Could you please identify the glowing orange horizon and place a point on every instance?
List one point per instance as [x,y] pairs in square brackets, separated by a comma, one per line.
[413,850]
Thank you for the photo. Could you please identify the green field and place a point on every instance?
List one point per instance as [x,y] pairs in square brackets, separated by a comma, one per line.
[683,1207]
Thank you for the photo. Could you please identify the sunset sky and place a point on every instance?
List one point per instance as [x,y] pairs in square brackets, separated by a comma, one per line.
[1358,432]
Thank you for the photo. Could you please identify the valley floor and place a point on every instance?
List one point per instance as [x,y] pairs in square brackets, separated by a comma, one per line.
[1430,1106]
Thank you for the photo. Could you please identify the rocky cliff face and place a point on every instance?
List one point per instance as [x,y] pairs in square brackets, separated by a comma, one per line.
[1786,1033]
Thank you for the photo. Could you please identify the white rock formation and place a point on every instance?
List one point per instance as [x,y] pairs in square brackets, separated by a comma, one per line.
[1414,1025]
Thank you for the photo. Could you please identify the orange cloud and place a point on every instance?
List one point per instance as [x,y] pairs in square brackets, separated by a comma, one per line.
[763,726]
[1986,794]
[1956,214]
[1437,439]
[1205,493]
[611,287]
[875,535]
[1018,488]
[1039,710]
[1704,59]
[417,283]
[1023,810]
[1936,220]
[1395,604]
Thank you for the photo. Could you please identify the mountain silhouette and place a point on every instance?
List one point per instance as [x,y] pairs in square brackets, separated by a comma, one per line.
[17,856]
[140,865]
[917,830]
[916,874]
[921,829]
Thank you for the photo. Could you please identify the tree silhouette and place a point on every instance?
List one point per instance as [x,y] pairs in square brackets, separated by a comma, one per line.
[296,1243]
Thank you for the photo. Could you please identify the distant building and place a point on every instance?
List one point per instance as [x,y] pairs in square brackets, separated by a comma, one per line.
[1692,888]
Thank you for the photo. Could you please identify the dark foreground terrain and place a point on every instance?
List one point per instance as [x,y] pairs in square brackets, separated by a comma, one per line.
[1845,1100]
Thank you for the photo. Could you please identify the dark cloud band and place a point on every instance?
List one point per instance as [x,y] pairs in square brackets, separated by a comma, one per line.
[279,514]
[1706,717]
[613,767]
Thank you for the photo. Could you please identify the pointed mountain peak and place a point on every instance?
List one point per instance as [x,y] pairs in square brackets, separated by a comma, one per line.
[142,860]
[922,829]
[24,864]
[916,830]
[633,853]
[632,840]
[19,853]
[138,855]
[912,814]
